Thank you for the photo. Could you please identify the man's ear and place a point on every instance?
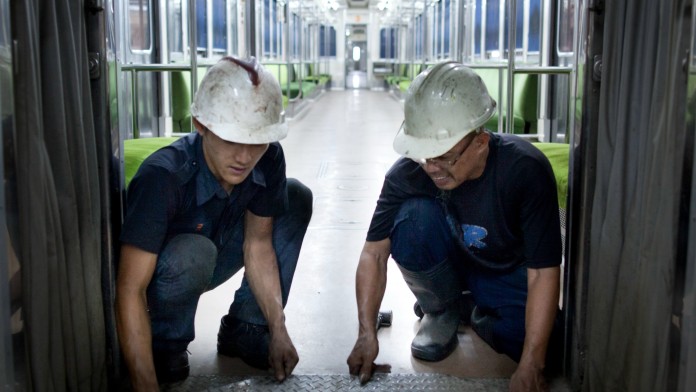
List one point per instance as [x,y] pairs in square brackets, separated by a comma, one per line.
[482,139]
[199,127]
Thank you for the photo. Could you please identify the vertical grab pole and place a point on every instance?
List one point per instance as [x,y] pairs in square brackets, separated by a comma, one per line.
[512,45]
[250,33]
[193,46]
[134,96]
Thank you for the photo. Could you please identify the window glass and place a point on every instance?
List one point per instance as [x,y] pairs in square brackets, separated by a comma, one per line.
[175,32]
[139,22]
[437,34]
[296,25]
[276,27]
[387,43]
[327,41]
[492,19]
[446,40]
[220,25]
[492,28]
[477,26]
[202,25]
[566,25]
[419,36]
[534,25]
[267,27]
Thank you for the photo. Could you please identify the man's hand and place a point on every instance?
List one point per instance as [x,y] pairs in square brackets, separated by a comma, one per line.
[361,359]
[527,379]
[282,355]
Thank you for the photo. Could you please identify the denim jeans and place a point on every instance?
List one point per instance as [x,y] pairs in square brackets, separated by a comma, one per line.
[191,264]
[421,239]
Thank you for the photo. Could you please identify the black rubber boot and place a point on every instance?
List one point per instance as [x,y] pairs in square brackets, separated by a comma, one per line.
[437,291]
[482,324]
[171,367]
[244,340]
[466,307]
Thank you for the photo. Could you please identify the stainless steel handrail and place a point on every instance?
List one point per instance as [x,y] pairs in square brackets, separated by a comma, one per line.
[512,71]
[133,69]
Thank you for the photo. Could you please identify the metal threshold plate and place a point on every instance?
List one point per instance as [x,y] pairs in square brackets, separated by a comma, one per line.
[343,382]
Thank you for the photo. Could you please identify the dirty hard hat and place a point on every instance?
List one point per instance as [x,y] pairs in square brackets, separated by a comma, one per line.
[443,105]
[241,102]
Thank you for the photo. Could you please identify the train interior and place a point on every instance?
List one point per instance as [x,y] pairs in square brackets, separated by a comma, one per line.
[344,67]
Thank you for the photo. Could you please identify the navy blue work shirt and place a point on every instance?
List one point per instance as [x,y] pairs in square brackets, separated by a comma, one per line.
[174,192]
[508,217]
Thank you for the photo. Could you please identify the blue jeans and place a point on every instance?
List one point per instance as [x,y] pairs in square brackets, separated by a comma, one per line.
[422,239]
[191,264]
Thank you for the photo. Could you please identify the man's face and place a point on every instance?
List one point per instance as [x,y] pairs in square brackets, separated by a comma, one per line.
[465,161]
[229,162]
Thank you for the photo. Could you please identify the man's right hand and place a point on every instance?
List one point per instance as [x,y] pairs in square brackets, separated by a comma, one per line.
[282,355]
[361,359]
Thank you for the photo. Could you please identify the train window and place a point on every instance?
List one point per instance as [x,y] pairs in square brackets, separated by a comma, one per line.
[295,36]
[202,25]
[272,28]
[232,46]
[440,41]
[534,25]
[278,32]
[491,31]
[387,43]
[420,36]
[215,23]
[175,27]
[446,32]
[327,41]
[493,44]
[140,28]
[435,28]
[565,27]
[219,8]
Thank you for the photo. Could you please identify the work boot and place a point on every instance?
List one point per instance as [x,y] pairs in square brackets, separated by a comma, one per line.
[482,324]
[244,340]
[171,367]
[437,291]
[466,307]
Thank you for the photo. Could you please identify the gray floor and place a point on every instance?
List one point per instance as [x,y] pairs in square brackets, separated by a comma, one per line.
[341,149]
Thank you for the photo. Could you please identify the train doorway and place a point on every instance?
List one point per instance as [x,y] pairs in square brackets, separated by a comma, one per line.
[356,56]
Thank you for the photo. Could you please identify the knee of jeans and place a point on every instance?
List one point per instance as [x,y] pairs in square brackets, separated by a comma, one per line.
[419,238]
[300,200]
[190,256]
[420,209]
[418,219]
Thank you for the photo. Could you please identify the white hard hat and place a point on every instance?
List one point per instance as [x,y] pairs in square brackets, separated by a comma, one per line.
[240,102]
[443,105]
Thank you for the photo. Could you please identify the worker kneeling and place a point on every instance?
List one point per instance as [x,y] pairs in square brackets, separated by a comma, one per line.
[198,211]
[471,218]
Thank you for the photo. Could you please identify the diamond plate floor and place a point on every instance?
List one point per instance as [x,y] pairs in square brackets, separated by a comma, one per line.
[327,383]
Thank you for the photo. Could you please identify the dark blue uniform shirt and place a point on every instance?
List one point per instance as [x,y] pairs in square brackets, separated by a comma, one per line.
[174,192]
[506,218]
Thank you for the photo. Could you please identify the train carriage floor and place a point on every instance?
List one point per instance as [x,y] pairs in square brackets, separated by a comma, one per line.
[341,148]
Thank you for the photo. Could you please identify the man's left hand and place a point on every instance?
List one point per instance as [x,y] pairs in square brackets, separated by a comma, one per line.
[282,355]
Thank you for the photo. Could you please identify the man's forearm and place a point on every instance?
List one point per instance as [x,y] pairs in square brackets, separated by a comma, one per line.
[263,275]
[135,338]
[542,306]
[371,282]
